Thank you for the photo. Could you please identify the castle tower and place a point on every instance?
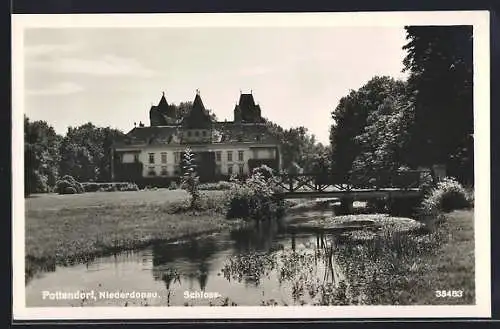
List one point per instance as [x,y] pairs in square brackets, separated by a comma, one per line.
[246,111]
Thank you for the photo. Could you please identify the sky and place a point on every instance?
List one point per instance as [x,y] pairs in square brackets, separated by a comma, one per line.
[112,76]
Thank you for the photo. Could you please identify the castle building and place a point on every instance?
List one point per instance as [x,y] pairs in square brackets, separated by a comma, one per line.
[153,155]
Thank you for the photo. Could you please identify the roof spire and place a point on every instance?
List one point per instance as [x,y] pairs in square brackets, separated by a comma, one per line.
[197,91]
[163,93]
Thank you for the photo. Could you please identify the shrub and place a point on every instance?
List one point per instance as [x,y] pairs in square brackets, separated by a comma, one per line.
[448,195]
[68,181]
[128,187]
[91,187]
[219,186]
[69,190]
[254,198]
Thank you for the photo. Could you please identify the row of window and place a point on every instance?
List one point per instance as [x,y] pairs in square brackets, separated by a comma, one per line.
[177,157]
[196,133]
[164,171]
[218,156]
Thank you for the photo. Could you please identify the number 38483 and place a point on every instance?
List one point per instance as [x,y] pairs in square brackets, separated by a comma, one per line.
[449,293]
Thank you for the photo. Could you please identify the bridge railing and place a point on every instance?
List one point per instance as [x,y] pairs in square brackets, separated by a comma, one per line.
[319,182]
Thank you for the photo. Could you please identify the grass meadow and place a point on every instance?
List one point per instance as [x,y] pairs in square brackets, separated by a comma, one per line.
[62,229]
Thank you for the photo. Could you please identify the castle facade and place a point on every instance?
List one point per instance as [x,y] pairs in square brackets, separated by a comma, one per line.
[153,155]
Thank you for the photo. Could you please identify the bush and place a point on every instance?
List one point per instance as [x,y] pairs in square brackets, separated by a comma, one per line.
[254,198]
[219,186]
[128,187]
[68,181]
[448,195]
[91,187]
[69,190]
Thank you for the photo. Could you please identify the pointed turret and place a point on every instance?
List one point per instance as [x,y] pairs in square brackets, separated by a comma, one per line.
[198,116]
[249,111]
[198,104]
[163,101]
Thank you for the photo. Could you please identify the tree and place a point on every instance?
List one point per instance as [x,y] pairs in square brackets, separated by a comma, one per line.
[439,60]
[41,156]
[85,152]
[383,143]
[350,118]
[298,147]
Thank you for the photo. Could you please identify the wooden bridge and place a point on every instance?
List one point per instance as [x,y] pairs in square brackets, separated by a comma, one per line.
[399,184]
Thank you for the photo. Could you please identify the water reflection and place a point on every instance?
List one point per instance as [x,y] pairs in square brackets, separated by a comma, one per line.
[257,264]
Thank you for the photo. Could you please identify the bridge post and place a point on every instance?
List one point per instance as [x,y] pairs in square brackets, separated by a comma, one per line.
[346,205]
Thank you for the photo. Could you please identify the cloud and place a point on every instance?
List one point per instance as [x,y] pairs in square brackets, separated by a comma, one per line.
[63,88]
[51,49]
[107,65]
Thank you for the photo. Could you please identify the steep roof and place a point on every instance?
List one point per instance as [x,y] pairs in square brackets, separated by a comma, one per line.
[246,101]
[231,132]
[222,132]
[150,135]
[163,101]
[250,112]
[162,114]
[198,116]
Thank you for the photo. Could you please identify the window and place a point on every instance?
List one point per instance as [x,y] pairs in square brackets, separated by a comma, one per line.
[151,158]
[164,171]
[240,155]
[163,157]
[189,133]
[229,156]
[230,170]
[151,171]
[177,157]
[197,133]
[241,169]
[136,157]
[204,132]
[218,156]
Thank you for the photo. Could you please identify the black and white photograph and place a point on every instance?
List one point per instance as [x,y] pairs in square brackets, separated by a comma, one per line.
[202,165]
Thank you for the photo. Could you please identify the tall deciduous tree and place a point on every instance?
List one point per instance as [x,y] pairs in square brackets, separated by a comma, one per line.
[383,143]
[85,152]
[351,117]
[298,147]
[439,60]
[41,156]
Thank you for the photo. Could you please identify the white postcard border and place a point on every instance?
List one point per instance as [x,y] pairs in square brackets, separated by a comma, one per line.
[480,21]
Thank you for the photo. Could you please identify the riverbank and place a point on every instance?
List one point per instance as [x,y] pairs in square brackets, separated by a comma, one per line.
[452,266]
[420,269]
[70,234]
